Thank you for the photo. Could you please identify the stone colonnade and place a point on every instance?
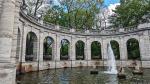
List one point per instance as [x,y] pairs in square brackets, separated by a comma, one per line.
[57,36]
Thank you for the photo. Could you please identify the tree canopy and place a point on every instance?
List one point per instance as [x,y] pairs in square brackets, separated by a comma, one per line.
[79,14]
[130,13]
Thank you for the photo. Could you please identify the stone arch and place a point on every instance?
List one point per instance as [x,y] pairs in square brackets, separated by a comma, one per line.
[31,47]
[48,48]
[18,44]
[64,50]
[133,50]
[96,50]
[80,45]
[115,48]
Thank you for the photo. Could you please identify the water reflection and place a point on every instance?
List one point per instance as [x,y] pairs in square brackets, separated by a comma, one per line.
[64,76]
[111,79]
[80,76]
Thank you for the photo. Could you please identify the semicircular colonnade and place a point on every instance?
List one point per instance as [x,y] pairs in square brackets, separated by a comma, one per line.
[43,30]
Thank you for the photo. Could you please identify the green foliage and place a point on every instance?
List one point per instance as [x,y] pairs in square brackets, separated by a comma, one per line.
[31,39]
[80,50]
[64,50]
[115,48]
[130,13]
[133,49]
[96,50]
[79,14]
[47,49]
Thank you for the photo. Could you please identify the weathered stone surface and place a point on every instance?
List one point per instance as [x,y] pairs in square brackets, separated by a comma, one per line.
[7,67]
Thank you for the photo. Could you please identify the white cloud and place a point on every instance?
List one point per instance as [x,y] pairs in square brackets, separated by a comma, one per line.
[112,7]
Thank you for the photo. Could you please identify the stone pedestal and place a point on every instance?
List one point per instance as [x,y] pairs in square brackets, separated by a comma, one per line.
[7,73]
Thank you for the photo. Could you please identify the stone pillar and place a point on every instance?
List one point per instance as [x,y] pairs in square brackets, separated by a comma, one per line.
[58,45]
[54,49]
[85,51]
[7,68]
[144,45]
[104,50]
[23,43]
[41,40]
[123,50]
[88,50]
[73,50]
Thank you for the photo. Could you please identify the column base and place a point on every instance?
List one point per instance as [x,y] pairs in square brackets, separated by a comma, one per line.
[7,73]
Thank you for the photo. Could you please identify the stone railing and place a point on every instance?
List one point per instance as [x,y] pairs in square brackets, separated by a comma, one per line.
[58,28]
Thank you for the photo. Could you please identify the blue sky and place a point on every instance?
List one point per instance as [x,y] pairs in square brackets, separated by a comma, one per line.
[108,2]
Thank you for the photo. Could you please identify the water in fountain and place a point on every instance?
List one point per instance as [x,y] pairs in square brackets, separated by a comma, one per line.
[111,61]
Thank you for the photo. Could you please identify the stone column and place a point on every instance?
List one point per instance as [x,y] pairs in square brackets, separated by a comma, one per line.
[144,45]
[23,43]
[41,40]
[54,49]
[104,49]
[123,50]
[58,45]
[7,68]
[85,51]
[88,50]
[73,50]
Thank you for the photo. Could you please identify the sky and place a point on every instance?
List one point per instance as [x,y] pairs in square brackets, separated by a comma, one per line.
[109,2]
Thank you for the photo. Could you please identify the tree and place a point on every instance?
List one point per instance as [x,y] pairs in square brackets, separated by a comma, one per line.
[79,14]
[96,50]
[130,13]
[133,49]
[35,7]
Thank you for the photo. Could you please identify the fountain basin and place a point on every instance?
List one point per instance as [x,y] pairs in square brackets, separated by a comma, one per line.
[79,76]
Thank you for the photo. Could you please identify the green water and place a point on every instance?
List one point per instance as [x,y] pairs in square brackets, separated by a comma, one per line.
[82,76]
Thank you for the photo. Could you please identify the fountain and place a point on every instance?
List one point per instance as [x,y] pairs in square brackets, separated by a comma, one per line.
[111,61]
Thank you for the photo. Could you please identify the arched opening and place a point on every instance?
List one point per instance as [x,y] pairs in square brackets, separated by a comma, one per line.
[115,48]
[96,50]
[80,50]
[48,48]
[31,47]
[133,49]
[18,44]
[64,50]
